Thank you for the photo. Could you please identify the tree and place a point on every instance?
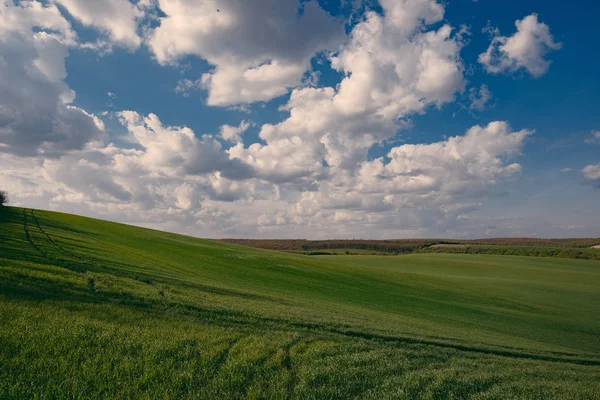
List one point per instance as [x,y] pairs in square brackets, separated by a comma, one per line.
[3,198]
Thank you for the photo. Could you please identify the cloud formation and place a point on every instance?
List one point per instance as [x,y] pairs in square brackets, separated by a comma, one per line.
[175,151]
[593,137]
[36,112]
[526,49]
[309,174]
[480,98]
[117,19]
[234,133]
[155,182]
[393,67]
[592,174]
[259,49]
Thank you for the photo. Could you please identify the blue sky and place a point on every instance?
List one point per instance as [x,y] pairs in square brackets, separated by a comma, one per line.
[342,166]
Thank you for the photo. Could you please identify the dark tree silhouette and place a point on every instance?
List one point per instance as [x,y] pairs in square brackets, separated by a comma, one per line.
[3,198]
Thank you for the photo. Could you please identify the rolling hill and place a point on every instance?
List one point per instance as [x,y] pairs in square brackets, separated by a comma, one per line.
[95,309]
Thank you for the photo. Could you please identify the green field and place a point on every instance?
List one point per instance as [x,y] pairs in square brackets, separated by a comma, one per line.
[94,309]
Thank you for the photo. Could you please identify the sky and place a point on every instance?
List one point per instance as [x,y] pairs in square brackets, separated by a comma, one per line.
[305,119]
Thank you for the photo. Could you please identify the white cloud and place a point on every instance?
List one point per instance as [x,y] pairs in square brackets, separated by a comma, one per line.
[234,133]
[259,49]
[166,176]
[273,219]
[309,176]
[422,188]
[416,190]
[186,197]
[479,98]
[410,14]
[185,86]
[283,160]
[173,151]
[527,49]
[36,114]
[593,137]
[118,19]
[459,165]
[592,173]
[86,178]
[393,67]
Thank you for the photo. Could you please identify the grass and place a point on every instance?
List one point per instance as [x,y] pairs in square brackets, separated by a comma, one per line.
[94,309]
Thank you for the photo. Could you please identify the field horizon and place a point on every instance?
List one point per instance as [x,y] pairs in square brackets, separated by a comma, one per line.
[95,309]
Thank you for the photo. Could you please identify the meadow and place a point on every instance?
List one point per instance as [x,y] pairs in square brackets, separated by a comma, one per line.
[583,248]
[95,309]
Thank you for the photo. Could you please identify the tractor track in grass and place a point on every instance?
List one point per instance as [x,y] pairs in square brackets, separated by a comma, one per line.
[59,247]
[37,223]
[83,273]
[466,348]
[29,236]
[30,239]
[224,355]
[261,362]
[288,364]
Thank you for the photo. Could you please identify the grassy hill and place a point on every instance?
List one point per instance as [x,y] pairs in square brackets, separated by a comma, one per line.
[94,309]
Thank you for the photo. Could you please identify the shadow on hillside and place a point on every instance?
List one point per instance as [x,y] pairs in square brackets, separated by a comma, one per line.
[9,215]
[3,214]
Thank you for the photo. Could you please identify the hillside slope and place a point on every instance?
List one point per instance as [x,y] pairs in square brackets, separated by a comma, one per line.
[95,309]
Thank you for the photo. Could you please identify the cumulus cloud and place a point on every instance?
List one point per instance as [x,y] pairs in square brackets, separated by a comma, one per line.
[259,49]
[164,175]
[527,49]
[415,190]
[176,150]
[118,19]
[593,137]
[36,112]
[480,98]
[392,66]
[460,165]
[234,133]
[86,178]
[309,175]
[592,173]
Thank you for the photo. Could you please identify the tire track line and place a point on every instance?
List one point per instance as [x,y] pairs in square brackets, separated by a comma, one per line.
[30,239]
[37,222]
[59,261]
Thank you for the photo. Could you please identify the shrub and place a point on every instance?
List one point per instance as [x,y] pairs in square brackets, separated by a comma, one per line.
[3,198]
